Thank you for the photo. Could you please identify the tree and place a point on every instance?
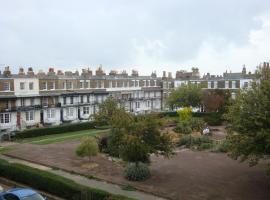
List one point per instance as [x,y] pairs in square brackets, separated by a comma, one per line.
[135,150]
[105,111]
[215,100]
[249,118]
[87,148]
[185,96]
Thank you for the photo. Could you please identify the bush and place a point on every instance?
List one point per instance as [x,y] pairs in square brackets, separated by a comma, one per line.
[185,114]
[183,127]
[186,141]
[138,172]
[202,142]
[212,119]
[35,132]
[223,146]
[197,124]
[87,148]
[103,144]
[51,183]
[205,146]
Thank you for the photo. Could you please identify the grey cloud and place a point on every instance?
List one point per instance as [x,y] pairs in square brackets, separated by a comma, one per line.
[74,33]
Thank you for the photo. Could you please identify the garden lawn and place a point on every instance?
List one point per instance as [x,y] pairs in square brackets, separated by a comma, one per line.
[48,139]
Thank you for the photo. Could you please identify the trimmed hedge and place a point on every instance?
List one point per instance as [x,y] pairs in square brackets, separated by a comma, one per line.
[35,132]
[51,183]
[213,118]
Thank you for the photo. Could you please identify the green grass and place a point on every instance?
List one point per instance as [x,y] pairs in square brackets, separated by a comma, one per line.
[49,139]
[5,149]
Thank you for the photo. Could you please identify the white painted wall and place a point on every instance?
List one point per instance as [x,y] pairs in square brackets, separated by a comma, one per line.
[55,120]
[26,91]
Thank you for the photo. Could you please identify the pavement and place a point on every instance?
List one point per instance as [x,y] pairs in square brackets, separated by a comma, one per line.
[102,185]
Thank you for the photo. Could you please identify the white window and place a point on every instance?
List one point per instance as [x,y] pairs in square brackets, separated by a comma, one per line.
[22,85]
[70,112]
[85,110]
[148,103]
[215,84]
[71,100]
[226,84]
[29,115]
[31,86]
[6,86]
[233,84]
[209,84]
[82,99]
[137,104]
[5,118]
[245,84]
[50,113]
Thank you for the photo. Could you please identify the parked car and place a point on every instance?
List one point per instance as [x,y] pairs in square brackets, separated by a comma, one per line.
[21,194]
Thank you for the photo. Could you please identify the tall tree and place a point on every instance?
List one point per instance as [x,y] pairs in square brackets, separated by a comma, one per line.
[215,100]
[249,118]
[185,96]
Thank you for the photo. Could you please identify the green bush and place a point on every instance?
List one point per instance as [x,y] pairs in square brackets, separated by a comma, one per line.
[183,127]
[202,142]
[51,183]
[186,141]
[197,124]
[185,114]
[205,146]
[223,146]
[35,132]
[138,172]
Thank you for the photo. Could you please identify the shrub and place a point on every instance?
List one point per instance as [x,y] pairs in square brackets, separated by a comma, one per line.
[103,144]
[183,127]
[35,132]
[186,141]
[205,146]
[185,114]
[202,142]
[138,172]
[51,183]
[223,146]
[202,139]
[87,148]
[197,124]
[214,120]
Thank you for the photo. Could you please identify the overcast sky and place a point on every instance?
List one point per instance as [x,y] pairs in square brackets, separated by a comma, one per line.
[147,35]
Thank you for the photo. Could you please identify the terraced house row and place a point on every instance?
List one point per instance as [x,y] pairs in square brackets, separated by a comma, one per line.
[28,99]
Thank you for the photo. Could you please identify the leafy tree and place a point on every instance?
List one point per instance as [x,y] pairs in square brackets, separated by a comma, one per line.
[185,96]
[87,148]
[105,111]
[249,118]
[215,100]
[135,150]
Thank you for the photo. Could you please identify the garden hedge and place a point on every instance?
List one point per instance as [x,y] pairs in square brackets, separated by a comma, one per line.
[213,118]
[52,183]
[35,132]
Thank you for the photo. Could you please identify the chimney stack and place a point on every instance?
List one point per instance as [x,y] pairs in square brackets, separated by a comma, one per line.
[134,73]
[51,71]
[7,71]
[30,71]
[170,75]
[21,71]
[60,73]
